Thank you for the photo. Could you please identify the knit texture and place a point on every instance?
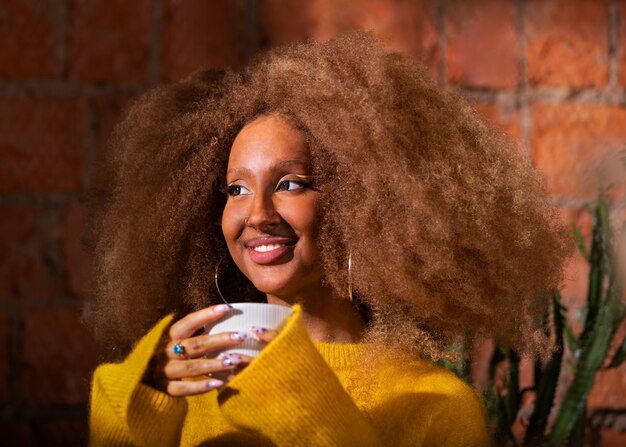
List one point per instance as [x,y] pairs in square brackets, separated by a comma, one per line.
[296,393]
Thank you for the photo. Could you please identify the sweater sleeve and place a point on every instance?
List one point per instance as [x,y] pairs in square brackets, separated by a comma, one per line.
[291,395]
[123,411]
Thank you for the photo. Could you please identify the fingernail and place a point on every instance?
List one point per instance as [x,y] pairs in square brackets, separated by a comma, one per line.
[212,384]
[239,336]
[232,360]
[258,330]
[224,355]
[222,308]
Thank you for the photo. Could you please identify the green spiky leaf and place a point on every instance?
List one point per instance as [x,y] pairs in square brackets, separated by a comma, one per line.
[598,268]
[513,396]
[572,341]
[549,380]
[591,360]
[580,242]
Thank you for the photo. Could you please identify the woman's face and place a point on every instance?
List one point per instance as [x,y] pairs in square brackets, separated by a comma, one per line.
[270,221]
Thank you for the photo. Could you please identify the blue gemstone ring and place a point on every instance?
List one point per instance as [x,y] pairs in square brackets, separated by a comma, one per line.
[179,350]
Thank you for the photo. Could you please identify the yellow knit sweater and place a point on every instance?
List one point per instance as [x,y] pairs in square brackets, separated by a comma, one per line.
[296,393]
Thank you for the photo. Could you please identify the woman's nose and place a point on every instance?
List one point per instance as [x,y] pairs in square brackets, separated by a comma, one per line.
[262,213]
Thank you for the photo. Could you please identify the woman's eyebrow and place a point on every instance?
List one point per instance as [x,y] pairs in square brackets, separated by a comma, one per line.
[274,167]
[283,163]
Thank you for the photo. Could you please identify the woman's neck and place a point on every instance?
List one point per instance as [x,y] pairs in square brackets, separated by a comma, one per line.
[326,317]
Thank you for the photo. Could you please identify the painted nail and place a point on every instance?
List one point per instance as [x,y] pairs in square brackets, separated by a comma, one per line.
[222,308]
[212,384]
[239,336]
[232,360]
[258,330]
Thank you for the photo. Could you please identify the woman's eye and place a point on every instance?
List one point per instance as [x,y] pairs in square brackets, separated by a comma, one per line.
[237,190]
[290,185]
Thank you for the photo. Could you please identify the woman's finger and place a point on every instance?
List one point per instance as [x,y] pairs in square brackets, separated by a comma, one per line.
[186,326]
[264,334]
[180,388]
[202,345]
[179,369]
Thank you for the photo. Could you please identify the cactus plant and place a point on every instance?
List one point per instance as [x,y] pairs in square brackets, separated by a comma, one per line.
[604,313]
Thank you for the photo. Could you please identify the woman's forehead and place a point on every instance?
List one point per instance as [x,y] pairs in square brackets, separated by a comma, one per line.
[268,141]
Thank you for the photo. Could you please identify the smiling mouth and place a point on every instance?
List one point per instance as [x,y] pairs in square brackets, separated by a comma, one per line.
[266,252]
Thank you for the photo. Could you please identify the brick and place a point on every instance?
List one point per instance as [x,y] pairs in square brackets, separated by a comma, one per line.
[15,432]
[574,290]
[108,109]
[61,432]
[621,56]
[5,365]
[77,260]
[58,356]
[577,146]
[199,34]
[41,144]
[23,273]
[613,438]
[483,47]
[27,43]
[609,389]
[504,116]
[567,43]
[109,41]
[402,25]
[285,21]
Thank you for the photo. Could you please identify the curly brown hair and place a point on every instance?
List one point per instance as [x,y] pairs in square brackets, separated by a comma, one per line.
[450,229]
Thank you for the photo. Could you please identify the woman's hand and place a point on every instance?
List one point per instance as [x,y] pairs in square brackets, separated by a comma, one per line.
[188,357]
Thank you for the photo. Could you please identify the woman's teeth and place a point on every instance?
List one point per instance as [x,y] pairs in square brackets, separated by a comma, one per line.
[264,248]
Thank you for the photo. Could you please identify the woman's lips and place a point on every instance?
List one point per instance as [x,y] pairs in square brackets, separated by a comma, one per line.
[268,250]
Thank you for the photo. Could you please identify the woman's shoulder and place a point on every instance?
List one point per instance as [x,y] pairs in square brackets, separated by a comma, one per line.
[426,375]
[423,381]
[453,412]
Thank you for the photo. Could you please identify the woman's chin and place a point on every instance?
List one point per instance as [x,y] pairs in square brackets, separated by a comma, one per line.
[279,290]
[284,286]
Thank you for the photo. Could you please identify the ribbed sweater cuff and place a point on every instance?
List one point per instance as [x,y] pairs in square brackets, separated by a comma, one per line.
[155,418]
[152,417]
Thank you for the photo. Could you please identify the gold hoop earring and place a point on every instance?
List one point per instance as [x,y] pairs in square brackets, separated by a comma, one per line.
[217,286]
[350,277]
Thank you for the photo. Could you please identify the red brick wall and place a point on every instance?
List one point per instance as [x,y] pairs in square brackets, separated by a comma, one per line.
[552,73]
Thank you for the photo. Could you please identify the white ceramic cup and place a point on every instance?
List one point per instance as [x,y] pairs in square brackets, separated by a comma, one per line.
[244,315]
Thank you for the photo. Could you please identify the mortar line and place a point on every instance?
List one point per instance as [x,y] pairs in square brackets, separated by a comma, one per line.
[251,29]
[61,32]
[613,45]
[39,199]
[155,39]
[62,88]
[15,399]
[523,89]
[442,29]
[89,140]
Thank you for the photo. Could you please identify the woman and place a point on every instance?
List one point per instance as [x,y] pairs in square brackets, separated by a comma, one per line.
[336,178]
